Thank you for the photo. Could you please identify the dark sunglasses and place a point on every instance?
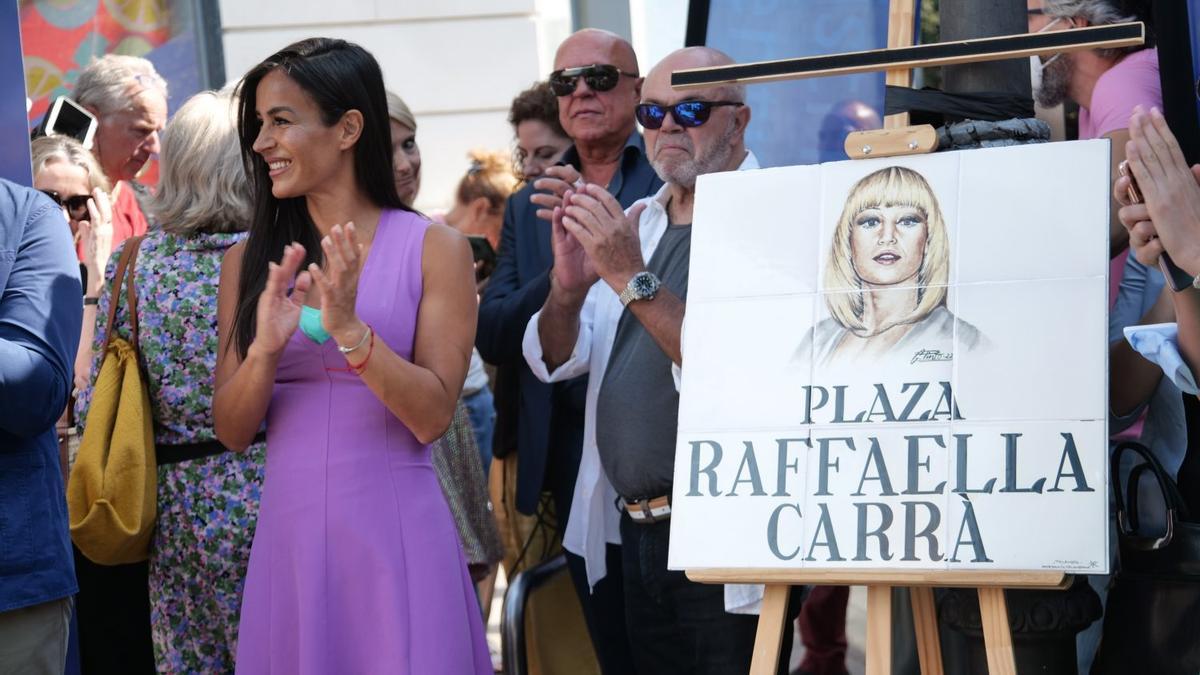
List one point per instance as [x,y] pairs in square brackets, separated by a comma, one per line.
[76,206]
[685,113]
[599,77]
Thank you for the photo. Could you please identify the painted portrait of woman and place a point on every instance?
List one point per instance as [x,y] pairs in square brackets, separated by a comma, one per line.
[886,276]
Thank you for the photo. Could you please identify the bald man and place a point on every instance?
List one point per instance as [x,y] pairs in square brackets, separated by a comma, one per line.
[615,310]
[597,83]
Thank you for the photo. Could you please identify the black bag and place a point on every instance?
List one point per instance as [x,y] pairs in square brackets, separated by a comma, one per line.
[1152,620]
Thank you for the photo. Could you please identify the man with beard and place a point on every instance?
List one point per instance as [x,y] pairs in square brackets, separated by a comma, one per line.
[1105,83]
[615,310]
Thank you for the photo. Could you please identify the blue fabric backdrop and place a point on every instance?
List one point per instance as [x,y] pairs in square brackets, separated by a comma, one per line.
[803,121]
[14,132]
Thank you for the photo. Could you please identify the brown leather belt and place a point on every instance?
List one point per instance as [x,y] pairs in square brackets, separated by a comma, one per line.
[648,511]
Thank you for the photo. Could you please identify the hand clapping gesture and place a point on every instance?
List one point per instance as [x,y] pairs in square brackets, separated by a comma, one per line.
[337,282]
[609,238]
[1168,218]
[278,313]
[556,181]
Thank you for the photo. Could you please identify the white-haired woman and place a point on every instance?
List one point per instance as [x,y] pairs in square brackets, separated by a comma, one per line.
[207,497]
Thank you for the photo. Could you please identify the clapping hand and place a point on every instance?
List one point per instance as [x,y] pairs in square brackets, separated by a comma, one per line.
[607,235]
[1168,218]
[573,271]
[278,313]
[337,282]
[555,181]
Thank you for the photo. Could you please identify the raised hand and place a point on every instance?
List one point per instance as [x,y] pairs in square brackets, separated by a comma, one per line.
[1169,189]
[607,234]
[278,314]
[573,271]
[96,234]
[337,282]
[555,181]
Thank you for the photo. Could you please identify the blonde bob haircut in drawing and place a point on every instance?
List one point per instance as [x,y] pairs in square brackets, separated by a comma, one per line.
[893,186]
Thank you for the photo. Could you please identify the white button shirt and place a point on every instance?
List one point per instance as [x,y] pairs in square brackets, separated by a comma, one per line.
[594,520]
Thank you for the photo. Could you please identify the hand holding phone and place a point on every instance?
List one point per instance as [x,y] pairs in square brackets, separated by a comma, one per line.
[1176,278]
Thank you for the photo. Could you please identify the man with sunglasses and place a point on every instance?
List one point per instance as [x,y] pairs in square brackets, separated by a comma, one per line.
[597,86]
[615,310]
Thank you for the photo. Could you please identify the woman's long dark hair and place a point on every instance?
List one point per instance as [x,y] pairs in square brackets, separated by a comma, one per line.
[339,76]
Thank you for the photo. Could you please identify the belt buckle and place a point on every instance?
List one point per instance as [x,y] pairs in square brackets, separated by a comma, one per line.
[644,504]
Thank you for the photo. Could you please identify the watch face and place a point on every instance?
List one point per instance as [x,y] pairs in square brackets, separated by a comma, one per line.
[645,285]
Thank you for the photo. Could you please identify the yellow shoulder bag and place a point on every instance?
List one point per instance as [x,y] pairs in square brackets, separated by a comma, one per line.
[112,490]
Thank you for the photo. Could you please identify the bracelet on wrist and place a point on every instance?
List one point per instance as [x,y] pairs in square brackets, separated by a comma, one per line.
[361,342]
[90,300]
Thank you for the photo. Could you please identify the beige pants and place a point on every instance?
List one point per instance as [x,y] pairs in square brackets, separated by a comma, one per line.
[33,640]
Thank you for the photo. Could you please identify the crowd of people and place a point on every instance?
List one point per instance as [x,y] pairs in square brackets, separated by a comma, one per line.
[360,411]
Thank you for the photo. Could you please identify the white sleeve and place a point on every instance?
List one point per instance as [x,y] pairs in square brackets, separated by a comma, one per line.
[676,370]
[578,364]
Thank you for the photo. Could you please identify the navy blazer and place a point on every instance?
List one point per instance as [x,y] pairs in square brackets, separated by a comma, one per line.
[516,291]
[40,315]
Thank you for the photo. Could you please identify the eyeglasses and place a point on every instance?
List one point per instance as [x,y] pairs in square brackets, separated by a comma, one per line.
[599,77]
[685,113]
[76,205]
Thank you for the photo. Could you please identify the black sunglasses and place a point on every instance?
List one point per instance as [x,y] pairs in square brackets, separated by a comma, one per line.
[76,206]
[599,77]
[685,113]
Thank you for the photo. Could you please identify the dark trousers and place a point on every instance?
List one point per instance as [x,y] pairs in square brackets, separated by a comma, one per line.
[676,625]
[113,612]
[823,630]
[604,605]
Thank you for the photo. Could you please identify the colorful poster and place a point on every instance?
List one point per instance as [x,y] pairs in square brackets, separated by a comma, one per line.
[888,364]
[14,135]
[63,36]
[804,121]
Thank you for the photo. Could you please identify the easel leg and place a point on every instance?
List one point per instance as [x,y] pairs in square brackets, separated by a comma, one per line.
[997,637]
[879,630]
[929,645]
[772,621]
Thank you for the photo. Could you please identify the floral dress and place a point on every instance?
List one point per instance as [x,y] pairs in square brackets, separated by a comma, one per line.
[207,507]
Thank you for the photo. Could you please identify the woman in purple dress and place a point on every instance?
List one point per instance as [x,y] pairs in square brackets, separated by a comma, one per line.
[346,325]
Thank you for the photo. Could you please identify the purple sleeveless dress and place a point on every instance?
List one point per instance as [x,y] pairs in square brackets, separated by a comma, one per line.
[356,566]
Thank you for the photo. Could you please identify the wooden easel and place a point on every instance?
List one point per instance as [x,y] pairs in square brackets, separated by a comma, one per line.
[896,138]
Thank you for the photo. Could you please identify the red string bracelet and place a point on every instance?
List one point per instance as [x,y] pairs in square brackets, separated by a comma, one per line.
[361,367]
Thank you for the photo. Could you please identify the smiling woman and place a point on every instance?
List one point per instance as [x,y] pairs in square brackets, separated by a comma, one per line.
[346,323]
[886,273]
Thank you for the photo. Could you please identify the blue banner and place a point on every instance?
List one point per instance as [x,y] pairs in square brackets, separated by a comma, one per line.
[14,131]
[803,121]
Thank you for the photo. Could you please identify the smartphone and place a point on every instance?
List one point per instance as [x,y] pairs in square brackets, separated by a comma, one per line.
[1176,278]
[68,118]
[482,252]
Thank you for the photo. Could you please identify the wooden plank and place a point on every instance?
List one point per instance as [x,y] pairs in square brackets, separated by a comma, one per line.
[901,24]
[879,630]
[917,140]
[925,622]
[928,56]
[893,577]
[772,621]
[997,637]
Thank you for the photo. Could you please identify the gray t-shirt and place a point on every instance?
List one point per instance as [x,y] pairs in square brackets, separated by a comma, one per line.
[638,407]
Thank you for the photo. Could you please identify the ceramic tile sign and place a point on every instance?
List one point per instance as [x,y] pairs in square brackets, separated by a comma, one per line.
[898,363]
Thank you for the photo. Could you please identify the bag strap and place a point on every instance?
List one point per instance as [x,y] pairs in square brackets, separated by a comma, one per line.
[126,263]
[1127,519]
